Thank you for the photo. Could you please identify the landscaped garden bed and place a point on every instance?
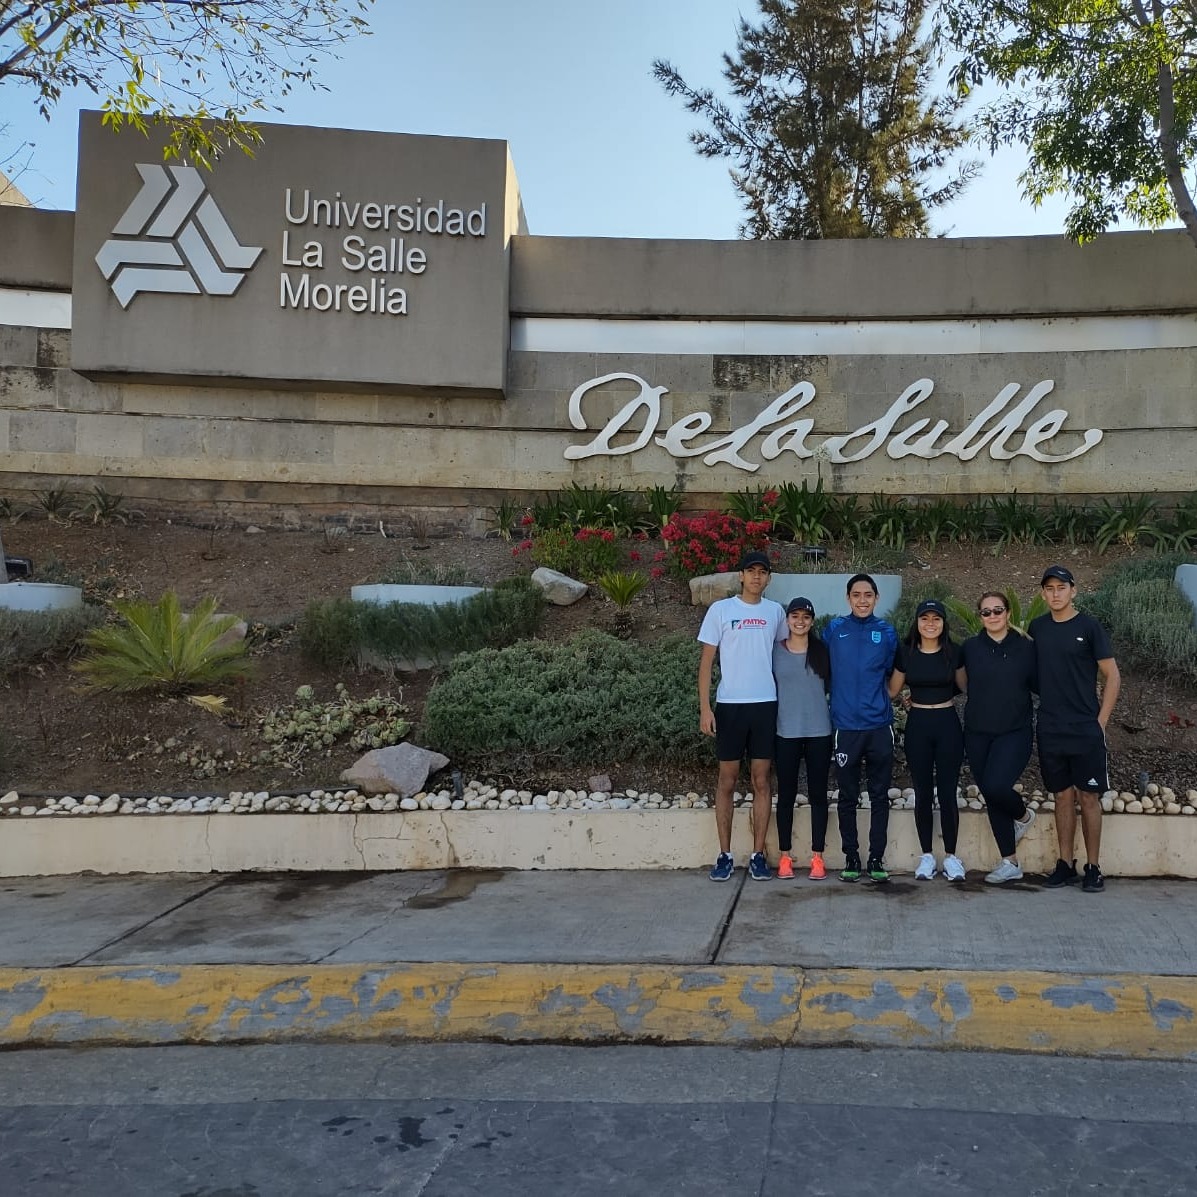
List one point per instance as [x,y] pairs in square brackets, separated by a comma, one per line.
[531,710]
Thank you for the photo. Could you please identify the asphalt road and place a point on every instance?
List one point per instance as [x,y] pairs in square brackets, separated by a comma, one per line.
[450,1119]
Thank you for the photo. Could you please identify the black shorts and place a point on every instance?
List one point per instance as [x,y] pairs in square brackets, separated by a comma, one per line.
[1080,761]
[745,729]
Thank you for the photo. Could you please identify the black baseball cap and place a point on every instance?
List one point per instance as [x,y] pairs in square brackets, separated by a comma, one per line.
[1057,571]
[800,604]
[931,606]
[755,558]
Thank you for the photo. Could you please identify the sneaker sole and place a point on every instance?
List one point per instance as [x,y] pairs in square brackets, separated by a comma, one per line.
[850,880]
[1060,884]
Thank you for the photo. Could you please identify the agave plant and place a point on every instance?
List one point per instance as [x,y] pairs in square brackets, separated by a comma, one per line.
[622,588]
[159,647]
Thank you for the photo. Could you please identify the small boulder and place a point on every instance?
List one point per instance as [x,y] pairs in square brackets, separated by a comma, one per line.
[400,769]
[600,782]
[559,589]
[706,589]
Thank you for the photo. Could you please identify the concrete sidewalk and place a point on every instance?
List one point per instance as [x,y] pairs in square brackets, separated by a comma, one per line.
[585,956]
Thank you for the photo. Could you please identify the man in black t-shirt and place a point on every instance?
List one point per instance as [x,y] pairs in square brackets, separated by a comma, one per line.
[1073,651]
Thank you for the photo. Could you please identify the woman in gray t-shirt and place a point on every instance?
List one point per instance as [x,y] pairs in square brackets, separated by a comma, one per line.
[802,668]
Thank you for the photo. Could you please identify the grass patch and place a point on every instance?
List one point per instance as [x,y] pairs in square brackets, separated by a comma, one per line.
[31,637]
[334,633]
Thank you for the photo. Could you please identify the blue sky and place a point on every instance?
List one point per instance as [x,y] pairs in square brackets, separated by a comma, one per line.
[599,148]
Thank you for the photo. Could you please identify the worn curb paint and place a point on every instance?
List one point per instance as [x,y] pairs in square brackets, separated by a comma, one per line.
[1130,1016]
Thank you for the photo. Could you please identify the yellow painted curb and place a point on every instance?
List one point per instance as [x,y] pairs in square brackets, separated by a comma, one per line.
[1128,1016]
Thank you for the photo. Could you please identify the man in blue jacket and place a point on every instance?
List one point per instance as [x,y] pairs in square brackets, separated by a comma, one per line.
[862,650]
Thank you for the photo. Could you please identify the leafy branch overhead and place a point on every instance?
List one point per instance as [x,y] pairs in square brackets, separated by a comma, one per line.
[831,125]
[214,62]
[1102,94]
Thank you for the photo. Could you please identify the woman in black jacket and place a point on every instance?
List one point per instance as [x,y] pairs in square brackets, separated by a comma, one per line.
[999,672]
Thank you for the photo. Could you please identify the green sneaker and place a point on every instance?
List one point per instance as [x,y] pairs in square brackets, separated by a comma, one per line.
[851,870]
[876,869]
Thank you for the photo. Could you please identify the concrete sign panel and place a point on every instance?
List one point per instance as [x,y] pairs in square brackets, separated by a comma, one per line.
[331,259]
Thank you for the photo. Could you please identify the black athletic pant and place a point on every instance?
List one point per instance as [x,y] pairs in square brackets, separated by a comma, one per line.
[874,751]
[997,763]
[935,752]
[788,755]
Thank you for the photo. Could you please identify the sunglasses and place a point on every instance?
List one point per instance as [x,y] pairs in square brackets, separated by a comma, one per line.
[986,612]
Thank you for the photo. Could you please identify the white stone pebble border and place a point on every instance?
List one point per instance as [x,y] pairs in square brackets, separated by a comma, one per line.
[478,795]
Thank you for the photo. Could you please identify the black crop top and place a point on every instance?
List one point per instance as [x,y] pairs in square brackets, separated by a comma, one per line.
[930,676]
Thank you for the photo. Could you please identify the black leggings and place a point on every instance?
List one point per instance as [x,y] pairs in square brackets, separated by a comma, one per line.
[935,752]
[997,763]
[788,756]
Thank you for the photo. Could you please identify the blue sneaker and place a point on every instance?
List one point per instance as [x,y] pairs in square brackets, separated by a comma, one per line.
[758,867]
[724,867]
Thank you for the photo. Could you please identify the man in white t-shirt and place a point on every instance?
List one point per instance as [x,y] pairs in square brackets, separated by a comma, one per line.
[742,630]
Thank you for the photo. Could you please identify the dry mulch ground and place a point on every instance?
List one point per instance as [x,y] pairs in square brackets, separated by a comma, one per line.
[57,739]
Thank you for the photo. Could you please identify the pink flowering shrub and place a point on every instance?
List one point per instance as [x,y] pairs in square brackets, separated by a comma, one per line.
[711,542]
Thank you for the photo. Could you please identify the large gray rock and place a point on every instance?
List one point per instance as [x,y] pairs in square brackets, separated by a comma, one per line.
[559,589]
[710,587]
[401,769]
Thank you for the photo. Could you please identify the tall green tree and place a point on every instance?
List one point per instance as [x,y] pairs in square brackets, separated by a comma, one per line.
[203,65]
[1102,93]
[831,125]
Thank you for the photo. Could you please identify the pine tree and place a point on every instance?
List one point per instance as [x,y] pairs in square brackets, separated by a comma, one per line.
[833,132]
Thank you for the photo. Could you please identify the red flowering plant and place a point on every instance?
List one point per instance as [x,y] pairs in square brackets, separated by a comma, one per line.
[585,553]
[712,542]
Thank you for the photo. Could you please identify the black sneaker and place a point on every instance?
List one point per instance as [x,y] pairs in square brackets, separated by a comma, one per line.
[1093,883]
[876,870]
[851,871]
[1063,874]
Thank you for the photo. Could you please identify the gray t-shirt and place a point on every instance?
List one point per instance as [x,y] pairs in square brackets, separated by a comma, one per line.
[801,700]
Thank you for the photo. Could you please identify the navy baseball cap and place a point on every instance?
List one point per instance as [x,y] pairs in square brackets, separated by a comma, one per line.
[1057,571]
[800,604]
[931,606]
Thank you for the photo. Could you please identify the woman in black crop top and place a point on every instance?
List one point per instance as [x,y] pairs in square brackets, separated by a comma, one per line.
[927,663]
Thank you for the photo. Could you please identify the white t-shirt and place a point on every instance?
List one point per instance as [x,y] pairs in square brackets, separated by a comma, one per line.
[744,634]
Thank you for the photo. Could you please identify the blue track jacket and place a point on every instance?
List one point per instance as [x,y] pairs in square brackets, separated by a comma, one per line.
[862,658]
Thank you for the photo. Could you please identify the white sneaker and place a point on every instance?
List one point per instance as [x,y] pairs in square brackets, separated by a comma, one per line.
[953,868]
[1021,828]
[926,867]
[1007,870]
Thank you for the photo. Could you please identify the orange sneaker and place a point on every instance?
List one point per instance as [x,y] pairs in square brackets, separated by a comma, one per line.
[818,870]
[785,866]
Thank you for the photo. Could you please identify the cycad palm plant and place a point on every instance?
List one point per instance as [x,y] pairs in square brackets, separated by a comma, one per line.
[159,647]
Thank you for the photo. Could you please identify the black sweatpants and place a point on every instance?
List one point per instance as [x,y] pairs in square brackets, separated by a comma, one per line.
[872,750]
[997,763]
[935,752]
[788,756]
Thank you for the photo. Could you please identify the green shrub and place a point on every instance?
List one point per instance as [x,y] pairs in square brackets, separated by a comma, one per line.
[412,573]
[1147,616]
[328,632]
[333,633]
[586,553]
[160,647]
[27,637]
[590,699]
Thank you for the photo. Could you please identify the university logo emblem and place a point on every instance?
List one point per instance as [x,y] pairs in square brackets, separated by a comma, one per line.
[173,239]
